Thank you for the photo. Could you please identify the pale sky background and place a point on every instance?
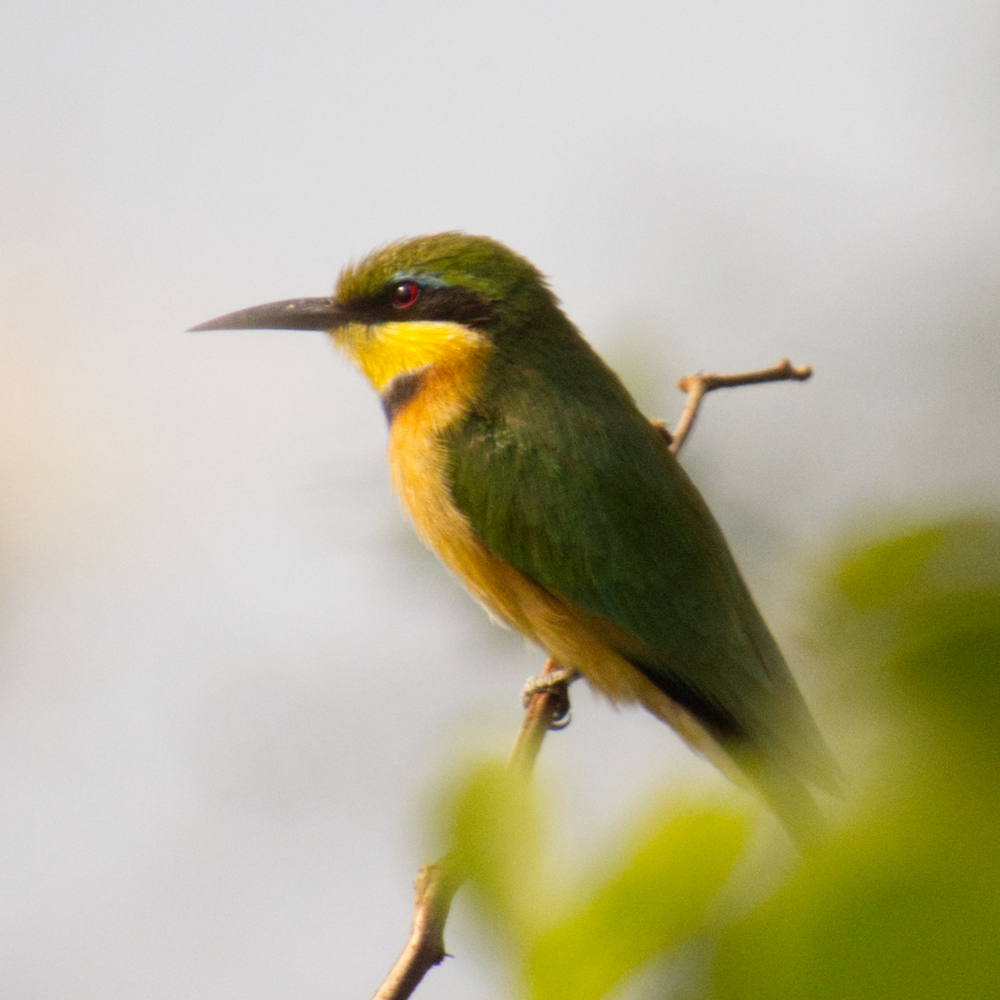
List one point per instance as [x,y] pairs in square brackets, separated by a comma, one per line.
[229,676]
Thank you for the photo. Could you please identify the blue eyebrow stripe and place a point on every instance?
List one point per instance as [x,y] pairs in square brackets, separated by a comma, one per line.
[423,279]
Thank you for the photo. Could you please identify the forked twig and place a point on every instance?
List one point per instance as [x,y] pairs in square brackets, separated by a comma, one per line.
[697,385]
[434,887]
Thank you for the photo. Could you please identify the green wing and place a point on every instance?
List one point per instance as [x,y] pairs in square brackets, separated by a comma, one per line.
[564,479]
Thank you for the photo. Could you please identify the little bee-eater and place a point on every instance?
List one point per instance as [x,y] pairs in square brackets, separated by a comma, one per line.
[526,466]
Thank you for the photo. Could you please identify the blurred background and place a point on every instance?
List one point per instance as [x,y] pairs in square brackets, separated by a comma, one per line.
[229,674]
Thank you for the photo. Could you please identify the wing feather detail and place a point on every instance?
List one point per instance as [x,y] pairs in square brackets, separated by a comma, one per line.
[585,500]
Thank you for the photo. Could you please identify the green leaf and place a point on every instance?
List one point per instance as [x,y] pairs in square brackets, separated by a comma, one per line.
[492,828]
[905,903]
[655,901]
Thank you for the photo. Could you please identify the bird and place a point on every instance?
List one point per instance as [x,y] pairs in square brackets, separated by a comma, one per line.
[524,463]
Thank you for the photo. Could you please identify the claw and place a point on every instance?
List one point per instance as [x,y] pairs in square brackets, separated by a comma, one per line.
[555,683]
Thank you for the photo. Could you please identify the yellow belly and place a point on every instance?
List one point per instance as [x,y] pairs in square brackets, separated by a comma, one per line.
[418,464]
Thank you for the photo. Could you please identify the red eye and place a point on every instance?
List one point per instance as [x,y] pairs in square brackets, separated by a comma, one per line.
[405,294]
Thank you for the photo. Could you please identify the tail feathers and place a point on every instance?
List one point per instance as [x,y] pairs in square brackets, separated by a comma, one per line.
[791,801]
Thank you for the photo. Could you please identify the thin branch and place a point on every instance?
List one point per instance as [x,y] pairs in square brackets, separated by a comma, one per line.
[546,709]
[433,891]
[434,888]
[697,385]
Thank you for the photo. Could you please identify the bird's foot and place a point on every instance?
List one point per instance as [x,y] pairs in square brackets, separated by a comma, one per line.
[555,683]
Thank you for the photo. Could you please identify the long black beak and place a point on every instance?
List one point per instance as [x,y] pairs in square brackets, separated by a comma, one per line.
[291,314]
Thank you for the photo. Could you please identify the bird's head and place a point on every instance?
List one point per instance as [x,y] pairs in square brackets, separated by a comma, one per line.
[441,301]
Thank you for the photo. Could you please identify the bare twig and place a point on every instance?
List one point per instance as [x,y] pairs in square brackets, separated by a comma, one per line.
[434,887]
[697,385]
[433,891]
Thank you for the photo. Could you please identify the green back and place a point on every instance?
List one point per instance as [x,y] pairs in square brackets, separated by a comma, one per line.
[561,475]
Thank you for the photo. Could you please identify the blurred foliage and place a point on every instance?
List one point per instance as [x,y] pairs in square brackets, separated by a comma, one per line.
[901,900]
[577,937]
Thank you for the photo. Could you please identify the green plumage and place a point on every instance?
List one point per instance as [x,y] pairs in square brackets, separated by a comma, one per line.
[454,260]
[559,475]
